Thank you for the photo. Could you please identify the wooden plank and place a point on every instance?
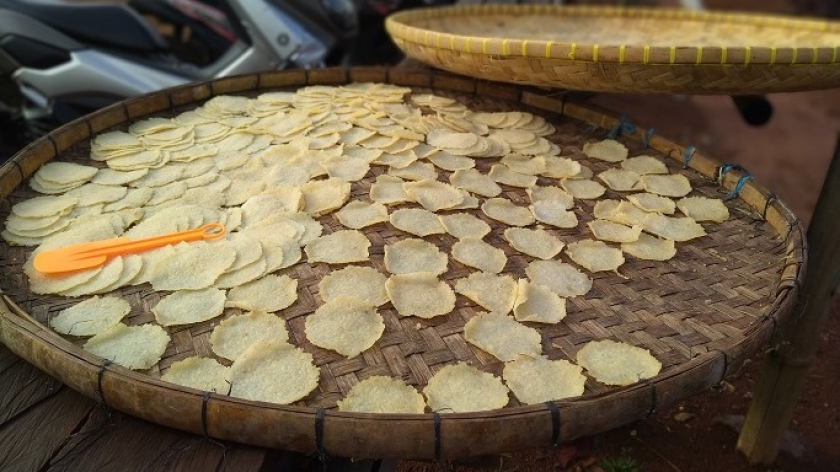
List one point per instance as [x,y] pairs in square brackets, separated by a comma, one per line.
[784,371]
[112,441]
[23,385]
[30,439]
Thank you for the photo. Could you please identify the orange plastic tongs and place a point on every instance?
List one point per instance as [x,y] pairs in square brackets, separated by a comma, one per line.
[90,255]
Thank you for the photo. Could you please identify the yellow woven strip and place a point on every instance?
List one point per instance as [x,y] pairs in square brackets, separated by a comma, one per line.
[747,54]
[548,49]
[467,45]
[814,57]
[621,51]
[646,56]
[452,43]
[426,38]
[484,46]
[699,55]
[672,57]
[437,41]
[794,53]
[723,55]
[504,47]
[572,51]
[772,56]
[595,53]
[525,48]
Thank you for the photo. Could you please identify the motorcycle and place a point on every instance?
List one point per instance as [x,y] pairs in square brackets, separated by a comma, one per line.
[66,60]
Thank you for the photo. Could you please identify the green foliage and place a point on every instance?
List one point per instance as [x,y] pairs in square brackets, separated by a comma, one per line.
[622,463]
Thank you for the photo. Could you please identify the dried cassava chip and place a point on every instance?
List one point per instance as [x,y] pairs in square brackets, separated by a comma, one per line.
[464,225]
[704,209]
[537,379]
[346,325]
[192,266]
[502,209]
[620,179]
[434,195]
[560,167]
[189,306]
[583,188]
[644,165]
[411,255]
[496,293]
[65,174]
[653,203]
[502,336]
[364,283]
[133,347]
[606,230]
[274,372]
[200,373]
[505,175]
[447,161]
[608,150]
[269,293]
[650,248]
[673,228]
[380,394]
[554,195]
[477,253]
[616,363]
[552,212]
[388,190]
[91,316]
[534,242]
[595,256]
[420,294]
[415,171]
[358,214]
[239,332]
[453,390]
[474,181]
[323,196]
[671,185]
[339,247]
[538,303]
[417,221]
[42,207]
[563,279]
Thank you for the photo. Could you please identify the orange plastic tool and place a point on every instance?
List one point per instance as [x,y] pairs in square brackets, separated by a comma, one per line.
[90,255]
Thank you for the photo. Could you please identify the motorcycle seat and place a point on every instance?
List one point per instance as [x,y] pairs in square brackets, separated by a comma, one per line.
[106,25]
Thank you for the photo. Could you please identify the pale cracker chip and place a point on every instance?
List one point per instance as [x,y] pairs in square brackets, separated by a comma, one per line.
[496,293]
[502,336]
[348,170]
[645,165]
[553,212]
[583,188]
[606,230]
[505,175]
[236,334]
[537,303]
[538,380]
[673,228]
[653,203]
[42,207]
[269,293]
[650,248]
[620,179]
[433,195]
[277,200]
[363,283]
[200,373]
[704,209]
[133,347]
[380,394]
[617,363]
[91,316]
[502,209]
[274,372]
[339,247]
[358,214]
[551,194]
[534,242]
[324,196]
[417,221]
[595,256]
[464,225]
[345,325]
[561,278]
[110,274]
[477,253]
[474,181]
[447,161]
[527,165]
[608,150]
[65,173]
[420,294]
[193,266]
[412,255]
[671,185]
[415,171]
[388,190]
[189,306]
[560,167]
[453,390]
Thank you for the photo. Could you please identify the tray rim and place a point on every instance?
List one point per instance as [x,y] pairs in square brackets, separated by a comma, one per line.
[430,436]
[400,27]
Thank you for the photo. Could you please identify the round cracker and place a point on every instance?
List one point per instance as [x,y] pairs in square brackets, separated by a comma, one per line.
[477,253]
[189,306]
[200,373]
[704,209]
[617,363]
[496,293]
[595,256]
[502,336]
[502,209]
[274,372]
[414,255]
[420,294]
[91,316]
[608,150]
[380,394]
[537,379]
[345,325]
[133,347]
[453,390]
[269,293]
[339,247]
[534,242]
[561,278]
[364,283]
[538,303]
[464,225]
[358,214]
[417,221]
[239,332]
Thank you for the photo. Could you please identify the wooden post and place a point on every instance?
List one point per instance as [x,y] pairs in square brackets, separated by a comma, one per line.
[783,372]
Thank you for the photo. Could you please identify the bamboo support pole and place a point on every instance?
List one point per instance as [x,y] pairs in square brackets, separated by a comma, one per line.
[785,368]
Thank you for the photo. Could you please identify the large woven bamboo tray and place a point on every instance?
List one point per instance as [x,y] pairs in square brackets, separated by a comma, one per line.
[701,314]
[624,49]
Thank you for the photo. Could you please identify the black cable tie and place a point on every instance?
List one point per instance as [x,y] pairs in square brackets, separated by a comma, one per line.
[654,400]
[438,448]
[770,199]
[646,137]
[555,422]
[791,225]
[99,376]
[19,168]
[204,398]
[725,364]
[54,145]
[306,76]
[320,416]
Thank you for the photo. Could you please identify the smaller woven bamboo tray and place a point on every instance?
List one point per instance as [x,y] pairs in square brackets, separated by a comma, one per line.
[701,313]
[615,49]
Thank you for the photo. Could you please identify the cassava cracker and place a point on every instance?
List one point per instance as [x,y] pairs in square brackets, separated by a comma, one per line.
[380,394]
[464,225]
[650,248]
[275,372]
[414,255]
[189,306]
[339,247]
[91,316]
[534,242]
[704,209]
[502,209]
[417,221]
[563,279]
[358,214]
[269,293]
[239,332]
[537,379]
[452,390]
[200,373]
[364,283]
[477,253]
[496,293]
[537,303]
[133,347]
[502,336]
[346,325]
[420,294]
[595,256]
[616,363]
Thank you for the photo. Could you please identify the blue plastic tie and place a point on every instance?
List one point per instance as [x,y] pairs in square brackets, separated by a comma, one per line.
[687,155]
[725,168]
[623,126]
[735,191]
[646,138]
